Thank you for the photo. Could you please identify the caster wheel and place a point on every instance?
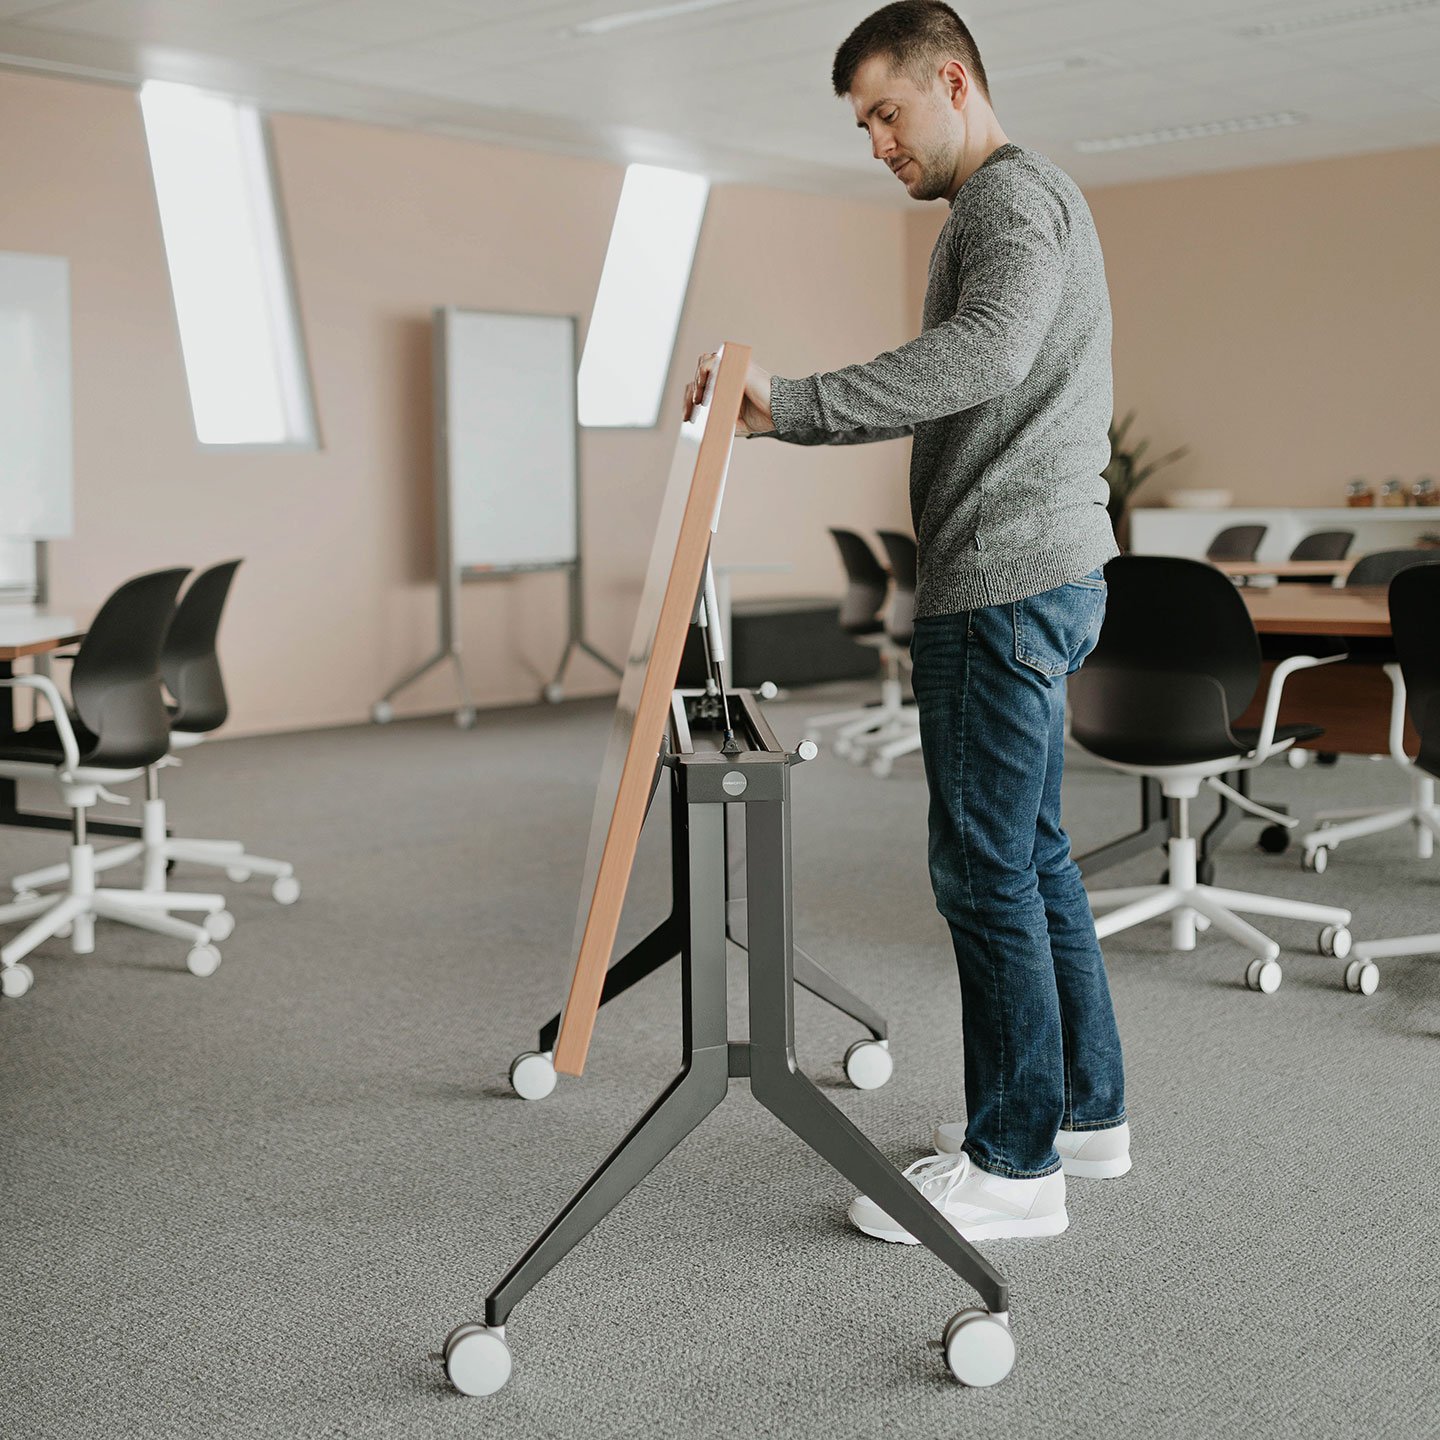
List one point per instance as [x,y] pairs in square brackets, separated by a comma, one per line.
[203,960]
[1325,757]
[532,1075]
[882,766]
[1275,839]
[238,873]
[477,1359]
[465,717]
[553,693]
[22,897]
[1334,941]
[1202,922]
[382,712]
[15,980]
[285,890]
[1362,977]
[220,925]
[64,932]
[1316,860]
[869,1064]
[979,1348]
[1297,759]
[1264,976]
[843,749]
[768,690]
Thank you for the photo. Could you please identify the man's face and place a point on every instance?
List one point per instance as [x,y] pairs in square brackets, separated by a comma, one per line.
[917,133]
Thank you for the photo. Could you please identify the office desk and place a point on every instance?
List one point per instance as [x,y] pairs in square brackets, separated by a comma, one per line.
[1350,699]
[1290,569]
[28,631]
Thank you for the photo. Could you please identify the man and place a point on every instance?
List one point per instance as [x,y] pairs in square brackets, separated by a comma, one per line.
[1007,393]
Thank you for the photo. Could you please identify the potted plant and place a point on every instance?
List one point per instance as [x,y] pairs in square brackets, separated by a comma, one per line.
[1125,474]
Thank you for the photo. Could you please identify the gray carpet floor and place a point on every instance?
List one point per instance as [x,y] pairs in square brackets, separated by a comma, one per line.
[253,1205]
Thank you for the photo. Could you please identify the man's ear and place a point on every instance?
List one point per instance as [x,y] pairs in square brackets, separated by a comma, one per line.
[957,83]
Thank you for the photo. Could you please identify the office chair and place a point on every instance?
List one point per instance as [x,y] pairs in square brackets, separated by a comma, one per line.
[1332,827]
[1177,663]
[191,669]
[119,726]
[1318,545]
[902,737]
[1414,613]
[867,582]
[1236,542]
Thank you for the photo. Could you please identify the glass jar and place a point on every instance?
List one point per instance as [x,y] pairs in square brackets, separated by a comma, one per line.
[1392,492]
[1423,492]
[1359,495]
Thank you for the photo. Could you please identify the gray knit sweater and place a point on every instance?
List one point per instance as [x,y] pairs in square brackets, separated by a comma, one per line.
[1007,393]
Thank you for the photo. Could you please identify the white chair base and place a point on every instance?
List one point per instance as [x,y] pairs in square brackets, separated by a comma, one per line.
[1193,906]
[157,850]
[1336,826]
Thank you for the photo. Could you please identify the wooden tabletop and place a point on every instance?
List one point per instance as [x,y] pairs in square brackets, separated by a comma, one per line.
[28,630]
[1319,610]
[1299,569]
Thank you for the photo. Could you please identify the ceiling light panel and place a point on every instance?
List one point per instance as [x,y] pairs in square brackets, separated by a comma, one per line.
[1206,129]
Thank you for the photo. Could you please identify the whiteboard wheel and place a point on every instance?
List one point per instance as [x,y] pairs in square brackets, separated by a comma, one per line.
[220,925]
[465,717]
[882,765]
[382,712]
[15,980]
[1362,977]
[285,890]
[1264,976]
[238,873]
[532,1075]
[869,1064]
[979,1348]
[553,693]
[1316,860]
[477,1359]
[203,960]
[1334,941]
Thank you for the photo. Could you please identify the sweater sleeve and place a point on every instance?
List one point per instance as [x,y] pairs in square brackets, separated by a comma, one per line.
[1011,276]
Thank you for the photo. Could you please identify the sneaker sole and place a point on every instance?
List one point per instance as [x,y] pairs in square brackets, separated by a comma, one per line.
[1081,1169]
[1035,1228]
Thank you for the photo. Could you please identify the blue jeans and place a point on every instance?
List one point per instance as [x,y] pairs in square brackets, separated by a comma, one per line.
[1041,1047]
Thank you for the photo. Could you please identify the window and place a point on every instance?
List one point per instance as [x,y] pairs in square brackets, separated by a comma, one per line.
[642,289]
[238,330]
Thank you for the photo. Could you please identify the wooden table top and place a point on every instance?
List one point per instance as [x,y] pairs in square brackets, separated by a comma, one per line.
[1319,610]
[1298,569]
[28,630]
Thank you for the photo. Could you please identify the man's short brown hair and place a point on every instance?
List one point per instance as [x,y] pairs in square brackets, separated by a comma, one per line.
[917,36]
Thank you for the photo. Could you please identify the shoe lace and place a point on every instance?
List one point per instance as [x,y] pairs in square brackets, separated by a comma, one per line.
[937,1175]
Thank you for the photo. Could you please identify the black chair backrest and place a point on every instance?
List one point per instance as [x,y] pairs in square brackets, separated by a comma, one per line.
[868,582]
[1323,545]
[1380,567]
[189,661]
[900,614]
[1415,622]
[115,682]
[1236,542]
[1177,663]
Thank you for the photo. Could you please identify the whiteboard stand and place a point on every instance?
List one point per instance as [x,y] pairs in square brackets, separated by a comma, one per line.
[507,483]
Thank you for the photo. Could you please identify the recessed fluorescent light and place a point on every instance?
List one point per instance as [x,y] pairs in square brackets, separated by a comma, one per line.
[1335,19]
[1062,65]
[1191,132]
[604,24]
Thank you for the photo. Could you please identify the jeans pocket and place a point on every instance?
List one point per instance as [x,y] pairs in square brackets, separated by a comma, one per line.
[1057,629]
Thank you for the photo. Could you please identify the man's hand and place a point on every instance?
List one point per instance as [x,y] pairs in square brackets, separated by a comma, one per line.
[754,417]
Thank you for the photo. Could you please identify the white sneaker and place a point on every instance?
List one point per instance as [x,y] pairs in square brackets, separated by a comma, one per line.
[1090,1154]
[979,1205]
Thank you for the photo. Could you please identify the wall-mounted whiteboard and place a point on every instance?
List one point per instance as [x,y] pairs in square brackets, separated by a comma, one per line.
[507,440]
[37,466]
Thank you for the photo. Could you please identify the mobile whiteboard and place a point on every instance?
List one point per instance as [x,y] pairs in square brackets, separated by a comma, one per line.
[508,455]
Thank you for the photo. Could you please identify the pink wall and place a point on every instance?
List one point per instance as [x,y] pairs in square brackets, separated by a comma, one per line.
[1283,322]
[336,598]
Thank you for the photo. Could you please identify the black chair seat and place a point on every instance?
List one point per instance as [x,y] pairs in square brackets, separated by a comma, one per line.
[40,744]
[864,627]
[1250,737]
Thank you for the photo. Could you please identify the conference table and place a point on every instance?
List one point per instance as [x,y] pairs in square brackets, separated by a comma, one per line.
[27,631]
[1350,698]
[1285,569]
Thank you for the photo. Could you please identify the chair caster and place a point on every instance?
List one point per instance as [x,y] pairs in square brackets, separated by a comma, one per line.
[532,1075]
[869,1064]
[15,980]
[477,1359]
[203,960]
[1362,977]
[1263,975]
[23,897]
[1275,839]
[1316,860]
[979,1348]
[285,890]
[1297,759]
[1334,941]
[553,693]
[238,873]
[64,932]
[220,925]
[382,712]
[882,766]
[465,717]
